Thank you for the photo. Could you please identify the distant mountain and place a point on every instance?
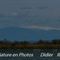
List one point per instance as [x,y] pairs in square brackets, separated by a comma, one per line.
[16,33]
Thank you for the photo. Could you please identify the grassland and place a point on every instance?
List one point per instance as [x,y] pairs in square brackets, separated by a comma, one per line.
[36,45]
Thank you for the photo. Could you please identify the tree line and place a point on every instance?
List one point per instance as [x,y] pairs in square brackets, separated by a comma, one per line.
[55,41]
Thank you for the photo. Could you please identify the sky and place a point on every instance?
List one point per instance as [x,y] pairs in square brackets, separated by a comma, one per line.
[39,14]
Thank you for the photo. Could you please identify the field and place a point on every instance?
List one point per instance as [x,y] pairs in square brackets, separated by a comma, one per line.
[30,46]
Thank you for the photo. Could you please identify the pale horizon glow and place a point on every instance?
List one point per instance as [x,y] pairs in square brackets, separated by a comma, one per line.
[40,27]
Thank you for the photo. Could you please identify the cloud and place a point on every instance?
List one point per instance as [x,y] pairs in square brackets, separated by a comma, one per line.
[29,13]
[42,8]
[22,6]
[40,27]
[29,22]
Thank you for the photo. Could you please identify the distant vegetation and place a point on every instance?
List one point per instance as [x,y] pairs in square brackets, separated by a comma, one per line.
[26,44]
[5,41]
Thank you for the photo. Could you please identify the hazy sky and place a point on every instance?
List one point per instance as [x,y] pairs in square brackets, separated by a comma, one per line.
[44,14]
